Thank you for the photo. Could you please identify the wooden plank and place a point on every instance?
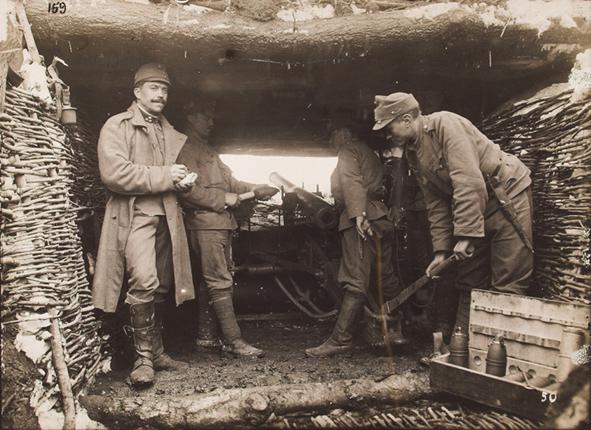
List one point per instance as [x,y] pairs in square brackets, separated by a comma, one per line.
[26,27]
[551,311]
[487,389]
[523,351]
[533,339]
[532,327]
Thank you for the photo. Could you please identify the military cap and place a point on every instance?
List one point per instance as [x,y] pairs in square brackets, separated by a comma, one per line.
[390,107]
[154,72]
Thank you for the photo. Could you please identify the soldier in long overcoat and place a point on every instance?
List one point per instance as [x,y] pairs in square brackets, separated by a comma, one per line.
[478,197]
[143,232]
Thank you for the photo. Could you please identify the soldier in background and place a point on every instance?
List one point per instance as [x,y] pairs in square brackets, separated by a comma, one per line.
[478,197]
[209,220]
[433,306]
[366,230]
[143,232]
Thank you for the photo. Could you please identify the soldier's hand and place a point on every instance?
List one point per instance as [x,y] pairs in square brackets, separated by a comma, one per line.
[363,226]
[232,200]
[437,260]
[264,192]
[186,183]
[178,172]
[464,248]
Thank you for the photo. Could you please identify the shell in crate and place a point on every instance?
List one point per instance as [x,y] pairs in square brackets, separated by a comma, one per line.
[532,329]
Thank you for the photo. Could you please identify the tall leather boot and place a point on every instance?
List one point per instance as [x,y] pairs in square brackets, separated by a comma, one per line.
[142,325]
[161,360]
[341,339]
[394,335]
[208,334]
[446,299]
[224,311]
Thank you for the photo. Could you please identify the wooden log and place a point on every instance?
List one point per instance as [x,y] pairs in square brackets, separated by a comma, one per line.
[251,407]
[104,43]
[10,44]
[61,369]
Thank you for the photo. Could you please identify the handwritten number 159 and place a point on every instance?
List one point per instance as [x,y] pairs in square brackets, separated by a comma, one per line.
[56,7]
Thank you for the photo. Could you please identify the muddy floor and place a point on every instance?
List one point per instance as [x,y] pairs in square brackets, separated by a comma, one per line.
[284,362]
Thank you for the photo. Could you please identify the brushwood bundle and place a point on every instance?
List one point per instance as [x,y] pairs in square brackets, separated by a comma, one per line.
[551,134]
[45,177]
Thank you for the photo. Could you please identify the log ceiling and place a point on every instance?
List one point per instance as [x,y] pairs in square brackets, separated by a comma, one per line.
[278,75]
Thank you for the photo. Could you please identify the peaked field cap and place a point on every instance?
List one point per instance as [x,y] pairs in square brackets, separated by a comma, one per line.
[155,72]
[390,107]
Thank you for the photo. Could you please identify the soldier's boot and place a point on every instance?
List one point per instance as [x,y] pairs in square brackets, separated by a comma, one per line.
[446,298]
[208,334]
[142,325]
[439,348]
[445,329]
[341,339]
[161,360]
[395,334]
[224,311]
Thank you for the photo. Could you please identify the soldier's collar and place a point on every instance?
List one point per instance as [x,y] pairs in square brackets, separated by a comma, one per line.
[412,146]
[425,126]
[427,123]
[148,117]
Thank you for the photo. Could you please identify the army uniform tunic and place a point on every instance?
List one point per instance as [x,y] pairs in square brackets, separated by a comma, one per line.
[451,159]
[209,223]
[357,186]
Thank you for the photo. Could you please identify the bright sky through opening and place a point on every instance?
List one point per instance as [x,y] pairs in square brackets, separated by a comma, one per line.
[308,171]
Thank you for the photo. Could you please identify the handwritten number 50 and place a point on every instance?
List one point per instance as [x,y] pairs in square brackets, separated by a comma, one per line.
[548,397]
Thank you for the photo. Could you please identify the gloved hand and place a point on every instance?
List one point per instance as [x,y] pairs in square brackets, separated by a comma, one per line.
[264,192]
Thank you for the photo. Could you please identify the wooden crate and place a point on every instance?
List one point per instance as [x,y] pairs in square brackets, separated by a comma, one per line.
[488,389]
[532,329]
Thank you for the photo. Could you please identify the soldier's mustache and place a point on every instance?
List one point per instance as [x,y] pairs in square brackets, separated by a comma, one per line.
[158,101]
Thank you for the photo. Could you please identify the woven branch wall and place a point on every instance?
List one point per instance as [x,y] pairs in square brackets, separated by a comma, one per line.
[48,173]
[551,133]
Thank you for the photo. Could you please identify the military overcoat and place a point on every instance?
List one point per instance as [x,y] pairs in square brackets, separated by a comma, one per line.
[125,158]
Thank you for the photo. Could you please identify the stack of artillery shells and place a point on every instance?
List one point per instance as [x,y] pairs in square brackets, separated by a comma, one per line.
[551,134]
[42,262]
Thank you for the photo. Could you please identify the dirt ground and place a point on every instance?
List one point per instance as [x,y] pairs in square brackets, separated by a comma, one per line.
[18,377]
[283,363]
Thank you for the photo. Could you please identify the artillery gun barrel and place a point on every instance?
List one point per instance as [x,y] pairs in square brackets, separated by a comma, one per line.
[322,213]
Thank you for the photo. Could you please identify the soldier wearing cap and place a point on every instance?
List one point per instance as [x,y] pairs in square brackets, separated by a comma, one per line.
[210,220]
[143,234]
[366,231]
[477,196]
